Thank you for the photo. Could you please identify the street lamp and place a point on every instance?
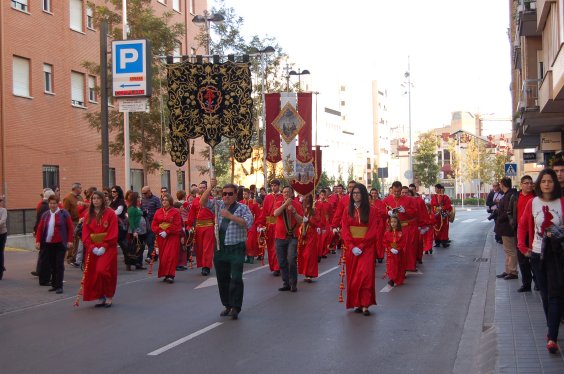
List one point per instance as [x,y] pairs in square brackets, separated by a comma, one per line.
[206,21]
[299,73]
[409,85]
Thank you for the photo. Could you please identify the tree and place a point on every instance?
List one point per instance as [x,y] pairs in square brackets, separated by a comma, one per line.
[147,131]
[476,161]
[325,181]
[425,164]
[350,173]
[454,157]
[340,175]
[375,180]
[495,168]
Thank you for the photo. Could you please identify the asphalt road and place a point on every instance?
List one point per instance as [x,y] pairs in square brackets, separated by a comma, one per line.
[158,327]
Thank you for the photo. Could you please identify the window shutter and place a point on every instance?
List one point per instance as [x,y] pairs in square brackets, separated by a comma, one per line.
[21,76]
[77,88]
[76,15]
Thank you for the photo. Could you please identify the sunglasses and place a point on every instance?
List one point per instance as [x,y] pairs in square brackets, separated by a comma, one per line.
[228,193]
[114,191]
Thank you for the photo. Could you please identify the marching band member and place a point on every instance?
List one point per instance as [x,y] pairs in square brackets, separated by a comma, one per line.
[394,244]
[359,233]
[202,220]
[323,207]
[252,236]
[310,234]
[167,226]
[441,207]
[381,207]
[267,223]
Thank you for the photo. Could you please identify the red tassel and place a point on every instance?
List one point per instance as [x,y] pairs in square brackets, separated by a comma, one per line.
[342,262]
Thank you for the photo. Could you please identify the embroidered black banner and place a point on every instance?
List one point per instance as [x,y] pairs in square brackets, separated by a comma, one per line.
[209,100]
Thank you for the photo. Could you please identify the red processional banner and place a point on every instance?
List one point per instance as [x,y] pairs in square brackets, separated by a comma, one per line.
[304,153]
[272,146]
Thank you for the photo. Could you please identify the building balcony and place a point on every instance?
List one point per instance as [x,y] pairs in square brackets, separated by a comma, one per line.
[527,19]
[543,9]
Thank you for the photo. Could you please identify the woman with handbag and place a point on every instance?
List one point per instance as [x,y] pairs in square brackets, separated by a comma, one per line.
[543,214]
[99,235]
[137,233]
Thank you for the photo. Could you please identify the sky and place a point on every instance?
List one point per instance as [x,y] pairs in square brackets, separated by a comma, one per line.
[458,52]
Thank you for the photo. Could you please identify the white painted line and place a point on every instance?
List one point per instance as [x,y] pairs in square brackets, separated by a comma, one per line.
[388,288]
[328,271]
[184,339]
[485,221]
[418,272]
[255,269]
[469,220]
[468,210]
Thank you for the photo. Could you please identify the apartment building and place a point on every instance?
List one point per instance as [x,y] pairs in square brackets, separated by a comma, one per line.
[537,55]
[45,93]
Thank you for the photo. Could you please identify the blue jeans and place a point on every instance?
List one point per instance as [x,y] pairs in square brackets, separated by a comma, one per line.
[287,253]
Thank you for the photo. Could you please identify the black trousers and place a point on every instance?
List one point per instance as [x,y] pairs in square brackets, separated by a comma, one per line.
[228,264]
[3,238]
[525,269]
[52,264]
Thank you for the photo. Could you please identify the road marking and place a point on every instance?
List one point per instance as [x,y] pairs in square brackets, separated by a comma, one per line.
[212,281]
[485,221]
[469,220]
[255,269]
[388,288]
[418,272]
[184,339]
[327,271]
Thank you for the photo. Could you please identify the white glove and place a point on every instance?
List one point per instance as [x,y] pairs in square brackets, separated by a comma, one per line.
[101,251]
[305,219]
[95,251]
[162,234]
[319,230]
[394,251]
[390,213]
[424,230]
[401,209]
[260,229]
[335,230]
[356,251]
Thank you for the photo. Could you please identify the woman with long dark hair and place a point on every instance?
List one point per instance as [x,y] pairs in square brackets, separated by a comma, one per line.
[359,232]
[120,208]
[167,226]
[99,235]
[543,214]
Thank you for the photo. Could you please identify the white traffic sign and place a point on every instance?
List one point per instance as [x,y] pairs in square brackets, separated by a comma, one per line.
[510,170]
[131,68]
[134,104]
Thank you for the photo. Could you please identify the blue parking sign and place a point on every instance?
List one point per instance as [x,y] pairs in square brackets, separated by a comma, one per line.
[129,58]
[131,68]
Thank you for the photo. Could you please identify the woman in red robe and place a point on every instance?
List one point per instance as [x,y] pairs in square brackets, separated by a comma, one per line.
[99,236]
[167,226]
[310,233]
[252,235]
[394,244]
[359,232]
[380,207]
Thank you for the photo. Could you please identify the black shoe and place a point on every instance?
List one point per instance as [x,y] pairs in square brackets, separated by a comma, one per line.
[446,245]
[524,289]
[285,288]
[140,267]
[148,260]
[431,251]
[437,245]
[358,310]
[234,313]
[35,274]
[294,289]
[366,312]
[52,289]
[333,252]
[45,284]
[391,283]
[75,264]
[225,312]
[276,273]
[426,252]
[380,260]
[59,291]
[205,271]
[502,275]
[420,262]
[536,288]
[170,280]
[511,276]
[323,256]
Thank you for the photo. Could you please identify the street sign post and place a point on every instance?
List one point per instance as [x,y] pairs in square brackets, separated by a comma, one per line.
[134,104]
[510,169]
[131,68]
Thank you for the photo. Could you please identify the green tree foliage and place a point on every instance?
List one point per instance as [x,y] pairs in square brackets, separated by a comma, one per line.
[476,161]
[425,164]
[325,181]
[495,169]
[454,157]
[147,130]
[340,175]
[350,173]
[375,180]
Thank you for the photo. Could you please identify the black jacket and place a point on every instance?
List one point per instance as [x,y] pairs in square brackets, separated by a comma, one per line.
[504,225]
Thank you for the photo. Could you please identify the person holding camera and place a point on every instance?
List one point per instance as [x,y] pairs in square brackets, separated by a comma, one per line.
[494,197]
[504,229]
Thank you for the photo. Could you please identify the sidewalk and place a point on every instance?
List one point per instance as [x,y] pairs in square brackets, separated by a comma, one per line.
[520,325]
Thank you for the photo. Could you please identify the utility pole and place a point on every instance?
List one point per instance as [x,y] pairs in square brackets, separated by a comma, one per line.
[104,103]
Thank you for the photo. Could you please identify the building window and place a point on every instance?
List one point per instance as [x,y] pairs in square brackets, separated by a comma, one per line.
[176,5]
[192,51]
[48,78]
[77,89]
[177,54]
[137,179]
[180,180]
[112,177]
[21,84]
[76,15]
[92,89]
[165,179]
[20,5]
[192,6]
[50,176]
[90,18]
[47,5]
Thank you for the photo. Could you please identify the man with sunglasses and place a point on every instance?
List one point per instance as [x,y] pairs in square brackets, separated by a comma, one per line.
[233,220]
[202,220]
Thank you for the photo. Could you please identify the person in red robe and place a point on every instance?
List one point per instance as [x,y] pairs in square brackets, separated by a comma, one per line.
[252,235]
[423,222]
[100,235]
[202,220]
[267,223]
[325,213]
[380,207]
[429,233]
[309,234]
[359,232]
[167,226]
[394,244]
[442,206]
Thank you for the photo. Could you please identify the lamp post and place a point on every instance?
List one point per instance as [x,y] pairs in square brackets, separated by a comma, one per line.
[263,53]
[206,21]
[299,73]
[408,77]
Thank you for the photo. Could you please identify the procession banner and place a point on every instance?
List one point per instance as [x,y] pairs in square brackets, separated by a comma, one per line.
[272,104]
